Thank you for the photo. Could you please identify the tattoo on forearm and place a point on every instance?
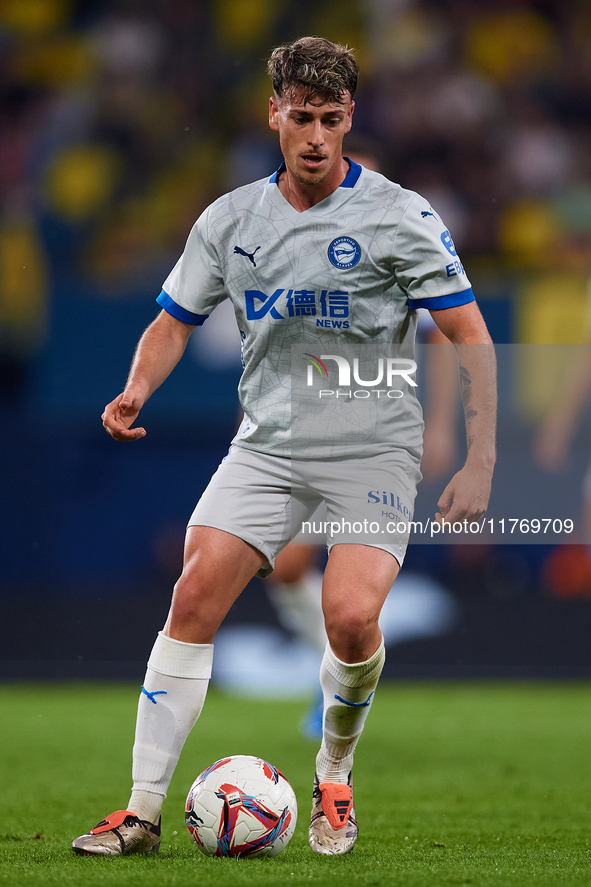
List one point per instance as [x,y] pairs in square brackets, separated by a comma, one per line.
[465,382]
[466,392]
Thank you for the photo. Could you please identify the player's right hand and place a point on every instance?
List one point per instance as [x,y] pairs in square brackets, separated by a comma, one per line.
[120,414]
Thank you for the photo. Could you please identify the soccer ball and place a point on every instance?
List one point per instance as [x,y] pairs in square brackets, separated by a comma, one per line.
[241,806]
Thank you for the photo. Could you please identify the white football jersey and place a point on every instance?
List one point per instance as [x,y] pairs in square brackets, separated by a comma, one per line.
[344,275]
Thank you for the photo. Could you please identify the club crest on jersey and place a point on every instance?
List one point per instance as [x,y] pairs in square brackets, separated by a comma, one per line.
[344,252]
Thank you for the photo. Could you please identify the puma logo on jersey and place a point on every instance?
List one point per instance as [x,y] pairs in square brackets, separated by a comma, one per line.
[424,214]
[250,256]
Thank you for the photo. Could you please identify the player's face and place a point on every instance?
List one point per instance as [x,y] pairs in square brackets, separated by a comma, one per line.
[310,135]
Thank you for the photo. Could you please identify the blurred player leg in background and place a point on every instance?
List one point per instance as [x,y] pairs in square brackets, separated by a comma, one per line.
[295,590]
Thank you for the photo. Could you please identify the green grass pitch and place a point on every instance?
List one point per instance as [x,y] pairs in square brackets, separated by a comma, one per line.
[456,784]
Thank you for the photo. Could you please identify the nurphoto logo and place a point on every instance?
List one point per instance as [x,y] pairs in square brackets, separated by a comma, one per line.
[389,370]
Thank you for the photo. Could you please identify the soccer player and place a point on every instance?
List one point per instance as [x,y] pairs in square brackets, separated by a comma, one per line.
[323,256]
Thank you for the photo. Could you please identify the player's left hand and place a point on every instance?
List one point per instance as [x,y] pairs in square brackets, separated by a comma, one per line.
[466,496]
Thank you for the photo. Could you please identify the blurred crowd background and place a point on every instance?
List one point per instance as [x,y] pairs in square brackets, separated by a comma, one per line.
[120,120]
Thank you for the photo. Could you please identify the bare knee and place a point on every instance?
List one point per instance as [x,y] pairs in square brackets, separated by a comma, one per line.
[217,567]
[354,636]
[193,612]
[356,583]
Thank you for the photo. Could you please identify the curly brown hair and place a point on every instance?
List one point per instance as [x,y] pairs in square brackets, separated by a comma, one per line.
[322,69]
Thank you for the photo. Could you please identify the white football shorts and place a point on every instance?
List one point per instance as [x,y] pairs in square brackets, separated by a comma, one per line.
[268,500]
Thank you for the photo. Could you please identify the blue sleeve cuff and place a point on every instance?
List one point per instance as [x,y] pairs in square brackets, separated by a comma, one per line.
[436,303]
[171,307]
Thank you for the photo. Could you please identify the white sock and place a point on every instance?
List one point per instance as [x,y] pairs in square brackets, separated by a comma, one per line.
[299,607]
[171,700]
[348,690]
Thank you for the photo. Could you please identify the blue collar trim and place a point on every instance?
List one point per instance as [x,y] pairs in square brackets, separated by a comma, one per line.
[353,174]
[277,173]
[349,181]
